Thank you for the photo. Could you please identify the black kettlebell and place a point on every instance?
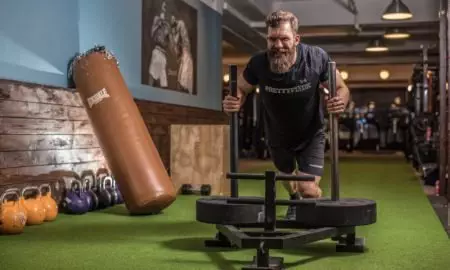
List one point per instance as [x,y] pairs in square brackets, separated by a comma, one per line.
[93,199]
[104,197]
[84,195]
[119,194]
[108,184]
[101,173]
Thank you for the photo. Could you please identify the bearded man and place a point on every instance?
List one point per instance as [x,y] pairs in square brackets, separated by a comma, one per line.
[289,75]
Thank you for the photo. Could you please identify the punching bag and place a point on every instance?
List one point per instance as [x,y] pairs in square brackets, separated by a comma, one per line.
[122,134]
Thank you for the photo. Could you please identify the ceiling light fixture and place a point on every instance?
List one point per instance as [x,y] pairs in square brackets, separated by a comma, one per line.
[397,10]
[396,34]
[376,46]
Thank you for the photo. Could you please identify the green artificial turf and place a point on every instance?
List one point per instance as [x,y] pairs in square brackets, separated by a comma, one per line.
[408,235]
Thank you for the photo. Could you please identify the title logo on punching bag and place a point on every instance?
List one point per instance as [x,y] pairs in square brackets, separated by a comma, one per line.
[97,97]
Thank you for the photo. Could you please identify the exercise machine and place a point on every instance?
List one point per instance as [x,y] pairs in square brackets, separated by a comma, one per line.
[316,219]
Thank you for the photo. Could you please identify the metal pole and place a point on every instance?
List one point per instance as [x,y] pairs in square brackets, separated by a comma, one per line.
[447,188]
[333,135]
[442,96]
[425,79]
[234,134]
[270,202]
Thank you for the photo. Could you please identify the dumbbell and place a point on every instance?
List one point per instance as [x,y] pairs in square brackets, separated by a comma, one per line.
[13,216]
[188,189]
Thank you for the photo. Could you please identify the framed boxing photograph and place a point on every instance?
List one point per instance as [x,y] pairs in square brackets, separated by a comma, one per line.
[169,45]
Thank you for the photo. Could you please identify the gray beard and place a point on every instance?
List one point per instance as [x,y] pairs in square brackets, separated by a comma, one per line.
[282,64]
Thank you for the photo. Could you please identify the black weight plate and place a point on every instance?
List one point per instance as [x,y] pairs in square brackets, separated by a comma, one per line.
[216,210]
[324,212]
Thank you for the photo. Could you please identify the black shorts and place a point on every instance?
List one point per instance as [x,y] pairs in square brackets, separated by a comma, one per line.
[309,156]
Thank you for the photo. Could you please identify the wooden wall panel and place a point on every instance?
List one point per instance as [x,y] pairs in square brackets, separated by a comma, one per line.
[44,130]
[14,142]
[159,117]
[14,159]
[25,109]
[20,91]
[199,156]
[29,126]
[44,169]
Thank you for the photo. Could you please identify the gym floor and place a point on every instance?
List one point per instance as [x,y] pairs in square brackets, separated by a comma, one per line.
[407,235]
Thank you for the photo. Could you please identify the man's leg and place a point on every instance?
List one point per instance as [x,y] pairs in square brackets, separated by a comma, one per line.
[284,161]
[310,161]
[294,194]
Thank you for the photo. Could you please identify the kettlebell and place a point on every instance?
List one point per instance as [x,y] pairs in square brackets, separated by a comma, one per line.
[93,200]
[84,195]
[119,194]
[36,211]
[13,216]
[104,197]
[102,173]
[108,184]
[49,203]
[73,202]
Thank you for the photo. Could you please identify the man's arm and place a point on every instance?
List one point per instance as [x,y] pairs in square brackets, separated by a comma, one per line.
[246,82]
[342,91]
[341,88]
[244,88]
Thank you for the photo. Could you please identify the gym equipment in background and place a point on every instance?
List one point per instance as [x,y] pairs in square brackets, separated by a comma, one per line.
[422,137]
[368,133]
[88,181]
[122,133]
[13,216]
[397,124]
[50,205]
[188,189]
[30,199]
[319,219]
[346,130]
[74,201]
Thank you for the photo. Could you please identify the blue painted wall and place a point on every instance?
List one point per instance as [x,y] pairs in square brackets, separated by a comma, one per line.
[37,39]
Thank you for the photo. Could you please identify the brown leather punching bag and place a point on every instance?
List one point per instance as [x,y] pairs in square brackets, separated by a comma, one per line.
[122,134]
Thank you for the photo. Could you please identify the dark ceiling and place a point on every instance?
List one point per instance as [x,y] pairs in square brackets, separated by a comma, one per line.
[343,32]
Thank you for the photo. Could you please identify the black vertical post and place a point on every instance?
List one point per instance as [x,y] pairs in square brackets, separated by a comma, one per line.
[234,134]
[425,79]
[448,100]
[333,135]
[269,203]
[442,96]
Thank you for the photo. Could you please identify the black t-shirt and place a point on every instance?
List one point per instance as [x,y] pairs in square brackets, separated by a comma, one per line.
[291,101]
